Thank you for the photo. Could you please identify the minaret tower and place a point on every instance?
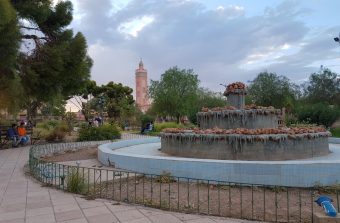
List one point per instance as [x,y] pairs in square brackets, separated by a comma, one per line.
[142,99]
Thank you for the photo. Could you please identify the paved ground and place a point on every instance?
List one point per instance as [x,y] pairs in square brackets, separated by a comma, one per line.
[24,200]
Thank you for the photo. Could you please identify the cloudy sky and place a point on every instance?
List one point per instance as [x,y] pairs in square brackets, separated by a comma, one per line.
[221,40]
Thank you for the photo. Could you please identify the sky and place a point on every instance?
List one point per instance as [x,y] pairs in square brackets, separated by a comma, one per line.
[223,41]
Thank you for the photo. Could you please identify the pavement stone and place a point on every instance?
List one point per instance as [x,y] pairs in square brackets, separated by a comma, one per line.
[24,200]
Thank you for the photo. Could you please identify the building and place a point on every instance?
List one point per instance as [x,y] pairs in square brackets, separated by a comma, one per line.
[142,99]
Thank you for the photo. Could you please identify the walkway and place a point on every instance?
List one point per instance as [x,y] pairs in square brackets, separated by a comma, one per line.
[24,200]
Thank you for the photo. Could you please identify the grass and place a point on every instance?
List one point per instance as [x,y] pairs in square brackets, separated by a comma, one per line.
[335,132]
[75,182]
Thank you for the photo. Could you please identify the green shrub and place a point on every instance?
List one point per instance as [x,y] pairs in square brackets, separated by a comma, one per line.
[56,135]
[50,124]
[321,114]
[145,119]
[335,132]
[104,132]
[53,131]
[75,182]
[160,126]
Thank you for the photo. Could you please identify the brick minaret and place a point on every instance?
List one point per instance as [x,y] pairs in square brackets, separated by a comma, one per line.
[142,99]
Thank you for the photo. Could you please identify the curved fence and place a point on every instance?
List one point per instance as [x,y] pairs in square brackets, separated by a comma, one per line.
[227,199]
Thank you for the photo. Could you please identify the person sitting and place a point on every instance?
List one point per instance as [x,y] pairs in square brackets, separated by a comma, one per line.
[23,137]
[148,128]
[12,134]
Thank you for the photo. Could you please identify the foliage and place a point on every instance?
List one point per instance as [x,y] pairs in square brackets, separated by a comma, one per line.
[323,87]
[52,130]
[208,99]
[321,114]
[335,132]
[9,45]
[55,62]
[48,125]
[54,107]
[75,182]
[158,127]
[56,135]
[114,98]
[165,178]
[270,89]
[69,118]
[104,132]
[145,119]
[175,93]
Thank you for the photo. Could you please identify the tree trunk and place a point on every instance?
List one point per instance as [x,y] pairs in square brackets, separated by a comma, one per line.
[178,117]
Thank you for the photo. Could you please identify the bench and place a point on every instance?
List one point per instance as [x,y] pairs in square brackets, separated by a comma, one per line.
[5,142]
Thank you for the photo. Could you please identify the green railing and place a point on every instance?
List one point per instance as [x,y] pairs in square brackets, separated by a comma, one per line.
[246,201]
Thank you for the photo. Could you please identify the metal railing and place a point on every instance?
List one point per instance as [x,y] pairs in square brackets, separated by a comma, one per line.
[228,199]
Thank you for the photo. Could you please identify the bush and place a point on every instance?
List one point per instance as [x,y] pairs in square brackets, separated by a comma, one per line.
[160,126]
[53,130]
[145,119]
[335,132]
[56,135]
[75,182]
[321,114]
[51,124]
[104,132]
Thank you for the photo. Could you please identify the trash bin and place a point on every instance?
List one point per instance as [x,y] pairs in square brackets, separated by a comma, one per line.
[327,205]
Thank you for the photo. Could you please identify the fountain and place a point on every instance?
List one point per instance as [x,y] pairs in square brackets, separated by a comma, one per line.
[240,132]
[237,143]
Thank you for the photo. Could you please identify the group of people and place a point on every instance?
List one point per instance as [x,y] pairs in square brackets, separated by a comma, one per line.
[97,121]
[18,134]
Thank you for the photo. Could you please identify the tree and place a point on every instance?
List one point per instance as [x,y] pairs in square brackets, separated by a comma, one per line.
[323,87]
[207,99]
[9,45]
[319,113]
[56,62]
[270,89]
[115,99]
[176,92]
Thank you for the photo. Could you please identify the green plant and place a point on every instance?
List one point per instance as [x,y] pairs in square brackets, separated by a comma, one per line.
[145,119]
[165,177]
[75,182]
[104,132]
[160,126]
[321,114]
[57,134]
[50,124]
[335,132]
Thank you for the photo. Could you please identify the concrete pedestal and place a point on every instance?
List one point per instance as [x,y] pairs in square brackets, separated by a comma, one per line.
[323,218]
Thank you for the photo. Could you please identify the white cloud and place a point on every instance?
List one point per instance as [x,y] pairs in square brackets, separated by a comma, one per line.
[132,27]
[221,45]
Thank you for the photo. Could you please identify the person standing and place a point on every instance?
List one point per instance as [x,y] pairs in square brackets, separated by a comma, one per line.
[23,137]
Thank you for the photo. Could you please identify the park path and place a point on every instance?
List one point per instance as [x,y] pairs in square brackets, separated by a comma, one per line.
[22,199]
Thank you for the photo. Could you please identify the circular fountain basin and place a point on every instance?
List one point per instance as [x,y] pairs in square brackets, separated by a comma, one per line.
[245,147]
[144,156]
